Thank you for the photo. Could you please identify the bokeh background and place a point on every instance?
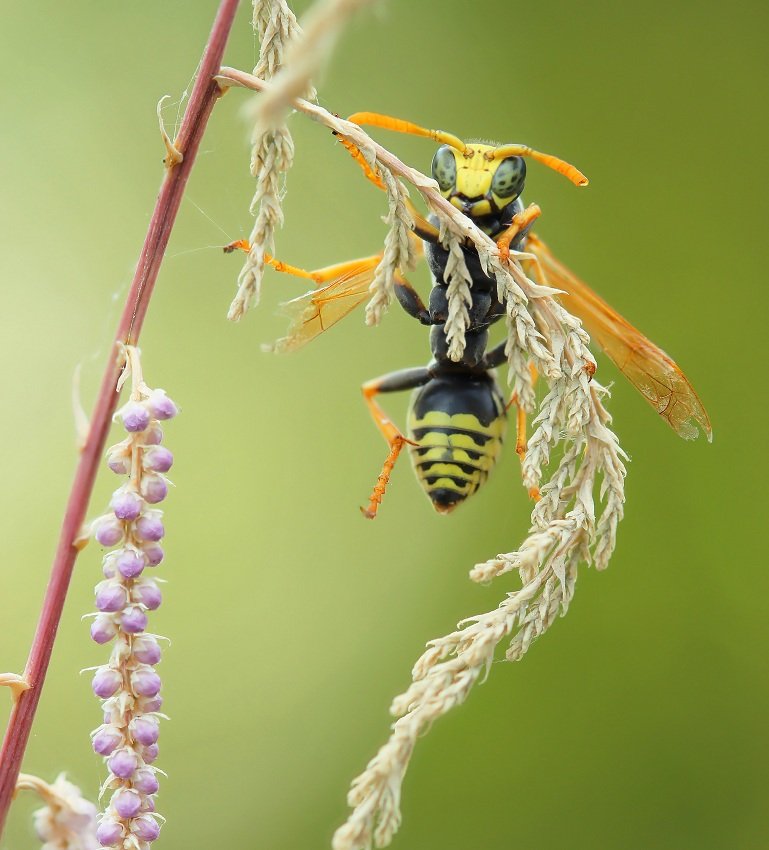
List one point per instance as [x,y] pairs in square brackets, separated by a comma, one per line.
[641,719]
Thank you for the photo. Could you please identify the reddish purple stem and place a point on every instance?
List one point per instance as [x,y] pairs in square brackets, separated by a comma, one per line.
[201,103]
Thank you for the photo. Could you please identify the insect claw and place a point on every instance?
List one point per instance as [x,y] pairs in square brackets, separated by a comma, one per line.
[237,245]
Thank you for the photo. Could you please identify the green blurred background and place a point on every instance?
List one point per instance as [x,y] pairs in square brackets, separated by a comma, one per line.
[641,720]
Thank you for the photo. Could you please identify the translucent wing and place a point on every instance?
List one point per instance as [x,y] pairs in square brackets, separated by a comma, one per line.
[316,311]
[647,367]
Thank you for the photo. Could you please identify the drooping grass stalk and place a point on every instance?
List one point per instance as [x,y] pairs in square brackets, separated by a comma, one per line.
[204,95]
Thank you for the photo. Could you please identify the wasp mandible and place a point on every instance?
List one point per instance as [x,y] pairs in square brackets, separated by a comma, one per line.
[457,418]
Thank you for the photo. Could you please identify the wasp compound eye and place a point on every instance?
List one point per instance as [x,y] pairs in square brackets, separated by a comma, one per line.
[444,168]
[509,178]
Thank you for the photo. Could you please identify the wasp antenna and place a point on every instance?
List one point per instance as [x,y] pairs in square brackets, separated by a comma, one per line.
[559,165]
[398,125]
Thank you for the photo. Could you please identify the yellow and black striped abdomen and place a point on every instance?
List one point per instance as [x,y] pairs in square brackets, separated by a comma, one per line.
[458,423]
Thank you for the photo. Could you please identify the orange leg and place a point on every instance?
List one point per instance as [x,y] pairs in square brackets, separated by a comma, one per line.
[533,260]
[520,221]
[403,380]
[354,151]
[520,423]
[422,226]
[319,276]
[377,494]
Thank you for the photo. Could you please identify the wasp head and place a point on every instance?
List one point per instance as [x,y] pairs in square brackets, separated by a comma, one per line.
[477,182]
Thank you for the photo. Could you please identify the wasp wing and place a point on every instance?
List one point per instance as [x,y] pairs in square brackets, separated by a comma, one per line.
[654,374]
[317,310]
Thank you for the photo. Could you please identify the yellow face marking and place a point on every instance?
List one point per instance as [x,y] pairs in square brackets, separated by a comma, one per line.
[474,170]
[476,166]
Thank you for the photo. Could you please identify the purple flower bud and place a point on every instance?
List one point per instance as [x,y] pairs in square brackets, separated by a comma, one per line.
[147,704]
[145,781]
[148,593]
[135,416]
[158,459]
[150,754]
[149,526]
[126,505]
[129,563]
[148,804]
[161,406]
[152,553]
[107,739]
[133,620]
[108,531]
[145,682]
[154,488]
[126,802]
[153,435]
[145,828]
[123,763]
[147,650]
[145,730]
[109,832]
[103,629]
[106,681]
[111,596]
[119,463]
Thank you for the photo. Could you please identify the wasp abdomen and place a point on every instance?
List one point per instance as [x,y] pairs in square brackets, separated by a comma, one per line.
[458,423]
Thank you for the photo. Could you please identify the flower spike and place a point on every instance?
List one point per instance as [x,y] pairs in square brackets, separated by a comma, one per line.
[128,683]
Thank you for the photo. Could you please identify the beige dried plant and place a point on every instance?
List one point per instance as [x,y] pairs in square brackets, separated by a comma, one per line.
[568,526]
[571,425]
[292,58]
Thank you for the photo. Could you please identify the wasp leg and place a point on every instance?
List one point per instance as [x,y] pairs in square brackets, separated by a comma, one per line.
[410,300]
[520,223]
[496,357]
[406,379]
[534,261]
[372,174]
[422,227]
[319,276]
[520,426]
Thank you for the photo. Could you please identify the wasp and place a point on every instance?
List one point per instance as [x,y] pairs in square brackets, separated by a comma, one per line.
[458,416]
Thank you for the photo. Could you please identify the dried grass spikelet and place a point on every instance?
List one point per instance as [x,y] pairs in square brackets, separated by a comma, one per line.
[67,820]
[568,525]
[458,294]
[565,531]
[399,250]
[292,58]
[272,152]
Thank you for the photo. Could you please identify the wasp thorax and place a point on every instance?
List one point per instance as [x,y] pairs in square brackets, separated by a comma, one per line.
[444,168]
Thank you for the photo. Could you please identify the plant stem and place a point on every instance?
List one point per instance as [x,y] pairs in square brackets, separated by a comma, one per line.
[201,103]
